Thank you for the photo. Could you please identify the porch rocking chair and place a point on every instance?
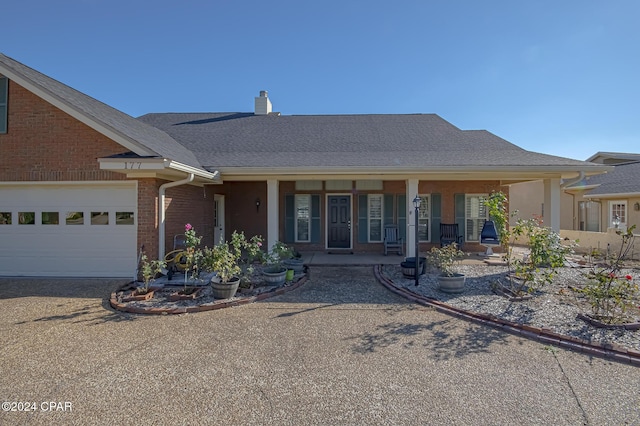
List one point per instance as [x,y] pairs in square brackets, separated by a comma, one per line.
[392,239]
[449,234]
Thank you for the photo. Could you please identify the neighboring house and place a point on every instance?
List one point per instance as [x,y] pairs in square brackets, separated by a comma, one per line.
[592,202]
[84,186]
[616,194]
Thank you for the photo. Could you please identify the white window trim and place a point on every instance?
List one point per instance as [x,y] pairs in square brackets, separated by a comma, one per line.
[369,196]
[466,218]
[428,197]
[295,226]
[623,225]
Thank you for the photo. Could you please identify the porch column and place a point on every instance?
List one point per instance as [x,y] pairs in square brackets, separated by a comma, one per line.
[272,212]
[412,191]
[551,214]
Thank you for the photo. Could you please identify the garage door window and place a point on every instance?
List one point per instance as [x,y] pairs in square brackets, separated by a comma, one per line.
[99,218]
[5,218]
[26,218]
[124,218]
[50,218]
[75,218]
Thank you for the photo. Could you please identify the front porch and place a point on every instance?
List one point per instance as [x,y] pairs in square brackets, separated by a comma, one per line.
[318,258]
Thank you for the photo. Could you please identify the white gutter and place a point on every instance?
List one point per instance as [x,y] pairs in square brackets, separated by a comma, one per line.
[570,182]
[161,210]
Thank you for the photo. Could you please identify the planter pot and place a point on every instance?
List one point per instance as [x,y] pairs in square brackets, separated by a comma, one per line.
[136,296]
[275,276]
[296,264]
[410,263]
[224,290]
[188,294]
[454,284]
[600,322]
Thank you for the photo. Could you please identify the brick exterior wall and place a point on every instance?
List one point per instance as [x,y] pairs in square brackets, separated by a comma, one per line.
[242,215]
[188,204]
[43,143]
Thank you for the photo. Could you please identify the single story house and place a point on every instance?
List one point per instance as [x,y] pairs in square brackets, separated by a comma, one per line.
[591,203]
[83,186]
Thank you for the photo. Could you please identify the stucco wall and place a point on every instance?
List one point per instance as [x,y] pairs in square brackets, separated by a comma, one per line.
[600,240]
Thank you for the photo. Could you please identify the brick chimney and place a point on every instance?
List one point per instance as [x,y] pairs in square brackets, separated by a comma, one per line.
[263,104]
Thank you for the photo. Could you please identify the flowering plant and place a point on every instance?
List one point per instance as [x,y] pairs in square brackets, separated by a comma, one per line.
[149,271]
[193,254]
[609,291]
[233,258]
[446,258]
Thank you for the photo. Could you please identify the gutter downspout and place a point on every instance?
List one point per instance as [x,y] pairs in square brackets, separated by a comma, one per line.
[161,210]
[572,181]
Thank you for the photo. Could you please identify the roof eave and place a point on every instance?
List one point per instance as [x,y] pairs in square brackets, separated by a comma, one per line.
[156,167]
[76,113]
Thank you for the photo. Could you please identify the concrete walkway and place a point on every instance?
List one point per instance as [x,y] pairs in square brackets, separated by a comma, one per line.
[339,350]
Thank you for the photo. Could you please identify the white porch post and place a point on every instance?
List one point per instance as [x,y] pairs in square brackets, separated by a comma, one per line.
[552,204]
[272,212]
[412,191]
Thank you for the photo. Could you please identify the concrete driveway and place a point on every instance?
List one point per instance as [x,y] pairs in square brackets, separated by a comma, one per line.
[339,350]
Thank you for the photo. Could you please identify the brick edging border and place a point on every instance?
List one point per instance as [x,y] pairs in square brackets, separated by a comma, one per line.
[611,351]
[123,307]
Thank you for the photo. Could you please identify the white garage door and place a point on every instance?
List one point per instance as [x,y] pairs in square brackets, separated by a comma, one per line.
[68,230]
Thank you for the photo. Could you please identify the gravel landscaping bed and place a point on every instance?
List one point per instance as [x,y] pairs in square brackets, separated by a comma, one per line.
[555,307]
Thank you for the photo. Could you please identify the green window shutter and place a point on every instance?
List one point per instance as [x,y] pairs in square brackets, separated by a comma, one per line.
[388,209]
[315,218]
[363,221]
[436,217]
[459,200]
[402,215]
[4,85]
[289,218]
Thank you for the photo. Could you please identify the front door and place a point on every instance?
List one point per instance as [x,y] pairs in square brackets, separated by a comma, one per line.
[339,218]
[218,218]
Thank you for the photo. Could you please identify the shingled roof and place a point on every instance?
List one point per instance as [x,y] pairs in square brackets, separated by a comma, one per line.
[147,140]
[623,179]
[387,142]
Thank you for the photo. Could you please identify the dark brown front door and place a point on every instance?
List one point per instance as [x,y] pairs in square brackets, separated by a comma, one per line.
[339,221]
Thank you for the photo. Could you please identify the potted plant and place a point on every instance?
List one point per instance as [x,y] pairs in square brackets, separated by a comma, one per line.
[275,273]
[226,260]
[445,259]
[294,262]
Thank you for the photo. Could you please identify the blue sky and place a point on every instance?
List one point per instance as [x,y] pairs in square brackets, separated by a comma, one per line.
[557,77]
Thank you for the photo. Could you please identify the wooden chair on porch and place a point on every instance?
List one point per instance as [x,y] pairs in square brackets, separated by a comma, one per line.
[449,234]
[392,239]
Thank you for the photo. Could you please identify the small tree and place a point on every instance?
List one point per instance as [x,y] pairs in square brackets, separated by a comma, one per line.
[149,271]
[547,253]
[610,292]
